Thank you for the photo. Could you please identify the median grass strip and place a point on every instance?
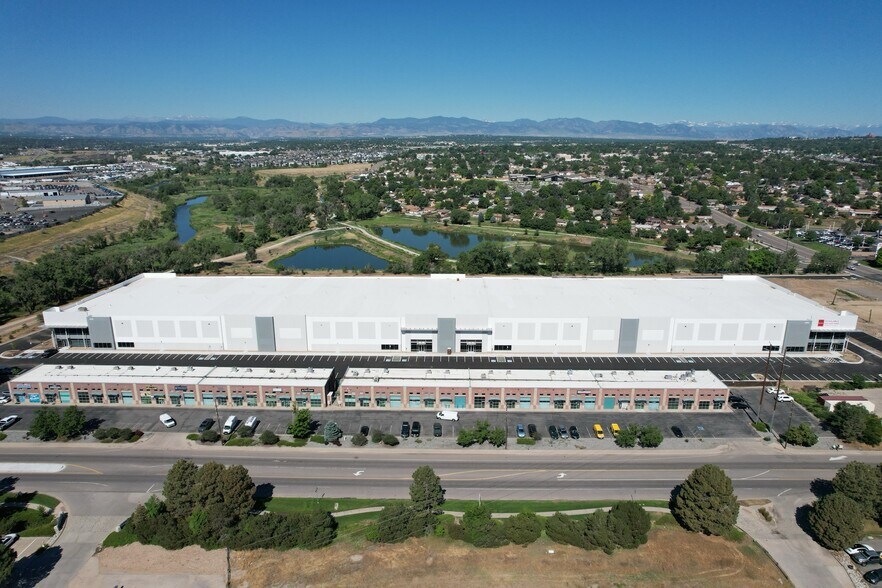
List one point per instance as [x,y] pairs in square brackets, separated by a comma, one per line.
[49,502]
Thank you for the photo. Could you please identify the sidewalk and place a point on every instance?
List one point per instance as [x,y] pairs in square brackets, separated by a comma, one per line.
[806,563]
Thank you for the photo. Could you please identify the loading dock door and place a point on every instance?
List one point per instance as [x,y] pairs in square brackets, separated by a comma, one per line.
[609,403]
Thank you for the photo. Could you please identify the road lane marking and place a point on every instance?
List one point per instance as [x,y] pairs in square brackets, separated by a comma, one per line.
[358,473]
[782,492]
[73,465]
[754,476]
[838,458]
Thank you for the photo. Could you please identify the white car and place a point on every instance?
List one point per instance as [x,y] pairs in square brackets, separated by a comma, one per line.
[447,415]
[251,422]
[859,547]
[9,539]
[8,421]
[167,420]
[774,390]
[784,397]
[5,399]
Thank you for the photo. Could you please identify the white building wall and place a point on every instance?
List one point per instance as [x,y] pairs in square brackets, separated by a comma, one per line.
[602,335]
[170,332]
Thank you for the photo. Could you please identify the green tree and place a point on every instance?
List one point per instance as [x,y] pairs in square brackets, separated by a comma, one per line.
[801,435]
[837,521]
[238,490]
[872,434]
[269,438]
[460,217]
[706,502]
[479,527]
[497,437]
[828,261]
[301,426]
[72,423]
[250,253]
[848,421]
[426,492]
[629,524]
[610,255]
[7,560]
[627,437]
[429,261]
[523,528]
[332,432]
[178,487]
[650,436]
[487,257]
[395,523]
[45,424]
[862,483]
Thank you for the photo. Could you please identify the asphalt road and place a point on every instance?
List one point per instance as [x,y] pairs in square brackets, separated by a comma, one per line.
[727,368]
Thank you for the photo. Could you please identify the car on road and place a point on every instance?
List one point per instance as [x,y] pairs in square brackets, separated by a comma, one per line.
[873,576]
[774,390]
[615,429]
[521,432]
[205,425]
[598,431]
[436,430]
[447,415]
[167,420]
[562,431]
[405,429]
[416,428]
[552,432]
[784,397]
[677,431]
[531,430]
[8,421]
[364,430]
[9,539]
[231,424]
[574,432]
[251,422]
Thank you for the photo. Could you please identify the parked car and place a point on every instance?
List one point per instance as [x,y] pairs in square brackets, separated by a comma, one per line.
[8,421]
[364,430]
[873,576]
[231,424]
[615,429]
[251,422]
[598,431]
[9,539]
[862,554]
[784,397]
[774,390]
[50,352]
[521,432]
[677,431]
[205,425]
[531,430]
[167,420]
[405,429]
[447,415]
[574,432]
[552,432]
[740,405]
[735,398]
[5,399]
[416,428]
[562,431]
[437,430]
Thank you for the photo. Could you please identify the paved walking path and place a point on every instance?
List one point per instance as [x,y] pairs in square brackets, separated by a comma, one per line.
[379,240]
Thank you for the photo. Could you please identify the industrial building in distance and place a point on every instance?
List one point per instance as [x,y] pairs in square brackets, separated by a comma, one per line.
[379,388]
[450,314]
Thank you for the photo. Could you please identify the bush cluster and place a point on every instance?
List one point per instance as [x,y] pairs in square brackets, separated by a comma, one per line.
[114,434]
[390,440]
[212,506]
[481,433]
[210,436]
[855,423]
[648,436]
[269,438]
[359,440]
[800,435]
[320,439]
[49,424]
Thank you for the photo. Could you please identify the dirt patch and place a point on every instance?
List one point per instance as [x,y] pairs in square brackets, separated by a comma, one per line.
[316,172]
[861,297]
[671,558]
[150,559]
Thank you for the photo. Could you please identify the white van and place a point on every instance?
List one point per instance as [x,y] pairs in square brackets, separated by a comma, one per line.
[231,424]
[447,415]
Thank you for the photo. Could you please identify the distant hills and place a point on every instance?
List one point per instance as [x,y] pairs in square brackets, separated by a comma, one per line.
[243,128]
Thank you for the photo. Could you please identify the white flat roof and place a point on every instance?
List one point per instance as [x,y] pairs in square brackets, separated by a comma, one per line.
[730,297]
[532,378]
[215,376]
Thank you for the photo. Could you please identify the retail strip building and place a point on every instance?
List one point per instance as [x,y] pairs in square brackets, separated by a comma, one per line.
[450,314]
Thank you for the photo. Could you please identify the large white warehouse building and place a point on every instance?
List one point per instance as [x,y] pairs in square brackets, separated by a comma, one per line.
[450,314]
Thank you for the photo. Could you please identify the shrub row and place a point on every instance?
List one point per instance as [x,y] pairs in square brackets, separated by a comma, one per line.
[114,434]
[481,433]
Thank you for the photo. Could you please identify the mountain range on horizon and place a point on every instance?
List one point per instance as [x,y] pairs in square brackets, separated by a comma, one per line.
[244,128]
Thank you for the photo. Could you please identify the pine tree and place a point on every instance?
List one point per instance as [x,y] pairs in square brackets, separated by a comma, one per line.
[7,559]
[706,502]
[301,426]
[332,432]
[178,488]
[628,524]
[862,483]
[426,492]
[837,521]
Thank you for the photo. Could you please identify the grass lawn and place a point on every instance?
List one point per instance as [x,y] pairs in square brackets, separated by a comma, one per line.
[119,538]
[27,522]
[49,502]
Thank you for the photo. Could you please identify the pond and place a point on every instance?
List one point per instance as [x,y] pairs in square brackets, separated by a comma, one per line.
[639,259]
[450,243]
[182,219]
[332,257]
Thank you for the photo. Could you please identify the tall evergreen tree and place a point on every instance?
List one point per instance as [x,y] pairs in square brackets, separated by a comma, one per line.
[706,502]
[178,488]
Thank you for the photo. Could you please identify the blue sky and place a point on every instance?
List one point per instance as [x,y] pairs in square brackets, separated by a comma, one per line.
[808,61]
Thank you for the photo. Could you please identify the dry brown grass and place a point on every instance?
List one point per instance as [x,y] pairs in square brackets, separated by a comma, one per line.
[857,296]
[113,219]
[671,558]
[316,172]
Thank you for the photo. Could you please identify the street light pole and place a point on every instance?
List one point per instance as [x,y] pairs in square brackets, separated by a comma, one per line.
[766,374]
[777,392]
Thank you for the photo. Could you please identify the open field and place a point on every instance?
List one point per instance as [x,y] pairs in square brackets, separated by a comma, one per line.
[316,172]
[114,219]
[672,557]
[858,296]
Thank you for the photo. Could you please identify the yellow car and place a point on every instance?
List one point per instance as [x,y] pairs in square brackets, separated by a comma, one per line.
[598,431]
[614,428]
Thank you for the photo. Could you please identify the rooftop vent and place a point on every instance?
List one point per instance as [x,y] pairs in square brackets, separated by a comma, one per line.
[131,367]
[570,372]
[272,370]
[116,367]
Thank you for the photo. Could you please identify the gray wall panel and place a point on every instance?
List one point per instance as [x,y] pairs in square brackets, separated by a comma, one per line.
[628,335]
[100,330]
[797,333]
[446,334]
[266,333]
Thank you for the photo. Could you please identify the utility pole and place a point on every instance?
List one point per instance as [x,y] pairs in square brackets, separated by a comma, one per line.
[777,392]
[766,374]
